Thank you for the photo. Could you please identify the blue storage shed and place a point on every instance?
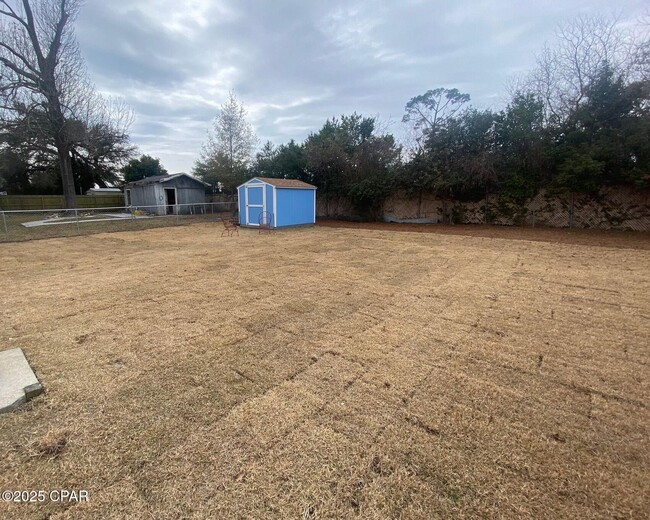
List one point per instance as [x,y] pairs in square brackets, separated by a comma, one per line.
[292,202]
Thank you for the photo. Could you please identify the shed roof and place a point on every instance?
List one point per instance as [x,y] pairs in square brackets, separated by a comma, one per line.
[163,178]
[285,183]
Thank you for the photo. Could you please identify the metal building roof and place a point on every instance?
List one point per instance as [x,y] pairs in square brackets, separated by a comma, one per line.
[163,178]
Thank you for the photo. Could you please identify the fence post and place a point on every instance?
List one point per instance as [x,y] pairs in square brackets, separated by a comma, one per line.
[4,221]
[534,212]
[76,215]
[571,212]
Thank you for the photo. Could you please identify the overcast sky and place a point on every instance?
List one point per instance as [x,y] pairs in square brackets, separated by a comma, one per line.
[295,63]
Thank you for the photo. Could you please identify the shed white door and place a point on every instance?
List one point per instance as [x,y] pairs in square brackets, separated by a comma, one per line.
[255,204]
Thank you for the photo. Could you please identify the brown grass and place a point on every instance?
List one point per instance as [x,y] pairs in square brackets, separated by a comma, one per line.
[52,443]
[577,236]
[329,373]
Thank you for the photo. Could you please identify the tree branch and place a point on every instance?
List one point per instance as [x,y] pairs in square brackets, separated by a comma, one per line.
[56,41]
[31,30]
[19,71]
[19,56]
[11,13]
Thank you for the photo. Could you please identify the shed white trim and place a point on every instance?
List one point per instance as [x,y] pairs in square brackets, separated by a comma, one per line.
[263,202]
[275,208]
[245,204]
[296,187]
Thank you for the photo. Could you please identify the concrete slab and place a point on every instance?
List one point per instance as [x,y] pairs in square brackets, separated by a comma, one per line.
[411,220]
[99,217]
[18,383]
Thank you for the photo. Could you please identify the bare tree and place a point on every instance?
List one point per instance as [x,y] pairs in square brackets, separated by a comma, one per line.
[232,134]
[229,149]
[43,80]
[104,145]
[583,46]
[641,48]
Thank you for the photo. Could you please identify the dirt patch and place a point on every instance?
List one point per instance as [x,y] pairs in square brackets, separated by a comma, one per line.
[328,373]
[588,237]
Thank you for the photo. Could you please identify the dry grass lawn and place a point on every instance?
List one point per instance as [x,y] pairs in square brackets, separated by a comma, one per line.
[328,373]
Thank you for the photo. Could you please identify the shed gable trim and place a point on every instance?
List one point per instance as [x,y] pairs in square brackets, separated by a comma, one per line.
[278,183]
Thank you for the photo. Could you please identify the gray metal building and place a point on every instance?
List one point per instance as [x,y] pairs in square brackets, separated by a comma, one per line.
[167,193]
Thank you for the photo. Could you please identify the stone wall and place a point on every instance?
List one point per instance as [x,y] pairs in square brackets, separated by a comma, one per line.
[612,208]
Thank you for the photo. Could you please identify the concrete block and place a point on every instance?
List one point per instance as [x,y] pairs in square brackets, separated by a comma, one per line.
[18,383]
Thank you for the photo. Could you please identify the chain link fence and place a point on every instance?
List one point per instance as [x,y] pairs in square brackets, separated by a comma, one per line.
[52,223]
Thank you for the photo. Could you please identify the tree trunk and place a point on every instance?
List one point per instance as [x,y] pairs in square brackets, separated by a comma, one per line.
[62,144]
[67,180]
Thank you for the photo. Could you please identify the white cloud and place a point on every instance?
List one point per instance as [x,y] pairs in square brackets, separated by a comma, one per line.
[295,63]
